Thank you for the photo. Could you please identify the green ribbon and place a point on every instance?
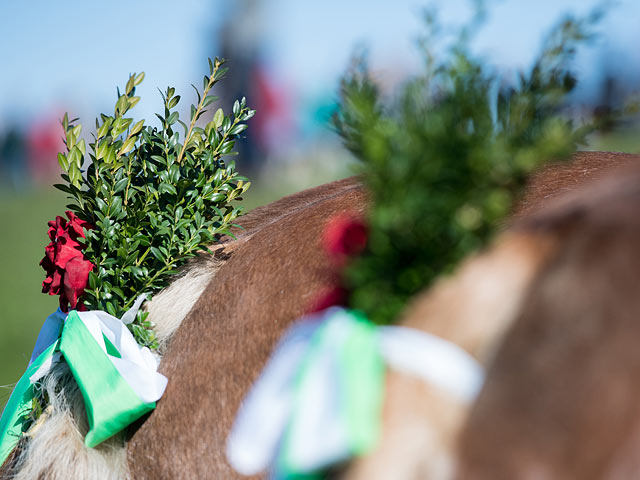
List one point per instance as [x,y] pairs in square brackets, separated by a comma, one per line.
[359,383]
[110,402]
[15,417]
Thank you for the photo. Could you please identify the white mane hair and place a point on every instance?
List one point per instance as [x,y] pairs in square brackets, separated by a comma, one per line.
[54,448]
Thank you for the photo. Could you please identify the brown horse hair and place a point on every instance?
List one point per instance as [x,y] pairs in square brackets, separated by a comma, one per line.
[562,398]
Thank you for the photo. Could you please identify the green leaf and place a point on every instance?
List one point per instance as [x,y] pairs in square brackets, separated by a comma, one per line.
[111,309]
[139,79]
[128,145]
[63,188]
[74,174]
[120,185]
[227,147]
[104,128]
[122,104]
[167,188]
[62,161]
[136,128]
[174,101]
[101,204]
[117,127]
[172,118]
[218,118]
[220,73]
[116,205]
[75,157]
[157,254]
[133,101]
[217,197]
[130,84]
[239,128]
[102,149]
[110,155]
[209,100]
[71,139]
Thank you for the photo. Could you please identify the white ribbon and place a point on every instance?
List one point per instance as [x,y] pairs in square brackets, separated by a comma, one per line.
[137,365]
[263,417]
[440,363]
[264,414]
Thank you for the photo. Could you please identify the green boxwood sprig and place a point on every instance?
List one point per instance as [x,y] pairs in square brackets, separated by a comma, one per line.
[445,160]
[155,195]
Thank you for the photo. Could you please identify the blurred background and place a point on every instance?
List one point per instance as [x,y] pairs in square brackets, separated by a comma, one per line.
[285,56]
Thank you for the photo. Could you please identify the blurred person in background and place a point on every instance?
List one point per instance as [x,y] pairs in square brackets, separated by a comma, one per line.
[250,75]
[13,166]
[44,141]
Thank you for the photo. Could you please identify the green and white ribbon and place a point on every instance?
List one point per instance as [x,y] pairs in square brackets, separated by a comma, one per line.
[117,377]
[319,399]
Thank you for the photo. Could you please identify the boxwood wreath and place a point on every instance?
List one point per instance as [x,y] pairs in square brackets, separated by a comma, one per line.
[144,199]
[446,158]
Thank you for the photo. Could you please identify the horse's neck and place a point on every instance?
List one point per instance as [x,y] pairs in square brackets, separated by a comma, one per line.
[269,279]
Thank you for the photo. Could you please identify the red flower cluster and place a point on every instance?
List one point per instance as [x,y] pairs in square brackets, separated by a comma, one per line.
[345,236]
[67,268]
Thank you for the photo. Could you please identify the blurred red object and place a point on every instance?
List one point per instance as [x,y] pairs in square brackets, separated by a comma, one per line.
[44,141]
[345,236]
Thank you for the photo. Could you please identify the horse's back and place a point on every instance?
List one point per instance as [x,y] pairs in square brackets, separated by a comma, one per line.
[272,273]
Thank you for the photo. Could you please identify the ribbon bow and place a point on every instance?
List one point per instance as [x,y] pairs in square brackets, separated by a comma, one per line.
[319,399]
[117,377]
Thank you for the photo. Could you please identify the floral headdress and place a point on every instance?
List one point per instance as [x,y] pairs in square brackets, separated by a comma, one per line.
[148,199]
[144,200]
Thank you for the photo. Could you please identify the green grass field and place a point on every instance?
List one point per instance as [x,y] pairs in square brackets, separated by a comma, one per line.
[23,307]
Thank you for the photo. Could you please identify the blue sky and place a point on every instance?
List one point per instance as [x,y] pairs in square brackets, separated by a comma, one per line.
[72,54]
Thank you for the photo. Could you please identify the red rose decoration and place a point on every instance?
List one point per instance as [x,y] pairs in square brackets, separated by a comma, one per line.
[345,236]
[67,268]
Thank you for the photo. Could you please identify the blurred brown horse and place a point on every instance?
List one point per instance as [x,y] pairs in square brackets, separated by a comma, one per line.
[552,308]
[562,397]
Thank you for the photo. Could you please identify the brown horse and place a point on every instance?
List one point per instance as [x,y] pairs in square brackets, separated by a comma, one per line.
[476,306]
[246,296]
[270,276]
[562,398]
[213,364]
[236,308]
